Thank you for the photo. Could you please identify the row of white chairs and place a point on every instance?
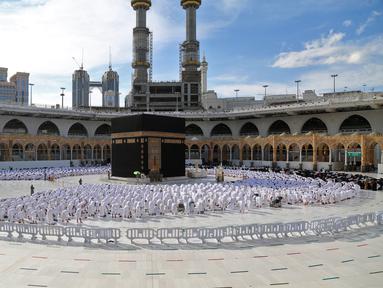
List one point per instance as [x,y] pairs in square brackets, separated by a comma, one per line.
[190,235]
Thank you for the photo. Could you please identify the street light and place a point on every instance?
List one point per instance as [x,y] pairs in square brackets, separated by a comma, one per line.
[364,88]
[236,93]
[62,97]
[345,88]
[31,85]
[265,86]
[334,76]
[298,81]
[90,100]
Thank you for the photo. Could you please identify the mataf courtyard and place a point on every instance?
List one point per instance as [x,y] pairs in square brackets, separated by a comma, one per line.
[258,247]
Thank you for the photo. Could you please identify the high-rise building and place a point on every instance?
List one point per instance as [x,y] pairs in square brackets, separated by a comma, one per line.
[3,74]
[15,91]
[80,88]
[110,89]
[21,81]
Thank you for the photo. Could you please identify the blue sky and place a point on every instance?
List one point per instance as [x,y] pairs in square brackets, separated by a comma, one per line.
[248,43]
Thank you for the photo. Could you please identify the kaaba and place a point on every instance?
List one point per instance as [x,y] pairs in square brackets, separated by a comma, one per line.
[149,144]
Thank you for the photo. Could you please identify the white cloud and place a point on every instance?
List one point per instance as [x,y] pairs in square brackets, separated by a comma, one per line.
[370,19]
[330,50]
[347,23]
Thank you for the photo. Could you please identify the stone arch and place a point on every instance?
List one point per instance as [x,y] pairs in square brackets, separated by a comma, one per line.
[279,127]
[355,123]
[15,126]
[338,154]
[193,130]
[217,154]
[77,130]
[354,156]
[249,129]
[268,152]
[226,153]
[221,130]
[4,152]
[42,152]
[17,152]
[194,152]
[235,152]
[205,154]
[323,153]
[103,130]
[246,152]
[76,152]
[374,156]
[107,153]
[48,128]
[97,152]
[281,152]
[294,153]
[307,153]
[55,152]
[257,152]
[66,152]
[30,152]
[314,125]
[88,152]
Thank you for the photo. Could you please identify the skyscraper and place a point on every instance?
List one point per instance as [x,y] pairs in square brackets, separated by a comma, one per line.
[21,81]
[110,88]
[80,88]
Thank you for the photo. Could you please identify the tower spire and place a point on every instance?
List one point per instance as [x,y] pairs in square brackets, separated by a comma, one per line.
[110,58]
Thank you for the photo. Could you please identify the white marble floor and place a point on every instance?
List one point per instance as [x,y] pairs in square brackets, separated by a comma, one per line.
[353,259]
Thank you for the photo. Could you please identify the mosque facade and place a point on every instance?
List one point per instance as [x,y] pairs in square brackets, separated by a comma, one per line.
[343,134]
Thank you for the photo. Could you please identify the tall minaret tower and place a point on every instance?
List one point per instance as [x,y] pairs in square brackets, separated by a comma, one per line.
[141,33]
[204,68]
[190,59]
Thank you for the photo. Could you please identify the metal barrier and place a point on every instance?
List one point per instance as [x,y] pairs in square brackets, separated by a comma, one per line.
[52,231]
[318,227]
[141,234]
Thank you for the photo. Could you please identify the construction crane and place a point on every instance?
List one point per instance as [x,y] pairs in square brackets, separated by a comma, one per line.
[82,61]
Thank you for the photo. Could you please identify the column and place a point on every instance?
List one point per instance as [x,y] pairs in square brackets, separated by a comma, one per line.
[345,159]
[240,154]
[300,155]
[231,152]
[330,156]
[287,154]
[251,155]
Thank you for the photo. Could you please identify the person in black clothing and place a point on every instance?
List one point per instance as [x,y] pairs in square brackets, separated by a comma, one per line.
[80,181]
[32,189]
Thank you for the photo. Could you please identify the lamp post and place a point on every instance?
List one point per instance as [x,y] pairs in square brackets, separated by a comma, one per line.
[345,88]
[334,76]
[265,86]
[364,88]
[236,93]
[297,82]
[90,100]
[31,85]
[62,97]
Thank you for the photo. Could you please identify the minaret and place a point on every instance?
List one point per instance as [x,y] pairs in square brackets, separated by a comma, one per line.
[190,60]
[204,68]
[141,33]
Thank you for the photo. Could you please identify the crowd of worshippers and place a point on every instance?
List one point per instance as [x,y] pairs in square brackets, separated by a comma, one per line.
[364,181]
[51,173]
[98,201]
